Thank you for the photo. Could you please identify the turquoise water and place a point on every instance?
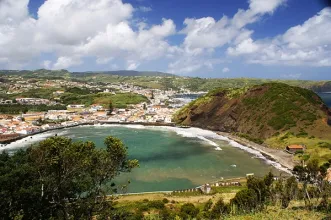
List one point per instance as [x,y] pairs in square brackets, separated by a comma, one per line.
[170,158]
[170,161]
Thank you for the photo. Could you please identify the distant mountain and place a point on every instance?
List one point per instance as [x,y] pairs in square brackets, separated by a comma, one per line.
[66,73]
[126,73]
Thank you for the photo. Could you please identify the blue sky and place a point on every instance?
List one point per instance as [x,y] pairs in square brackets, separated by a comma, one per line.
[287,39]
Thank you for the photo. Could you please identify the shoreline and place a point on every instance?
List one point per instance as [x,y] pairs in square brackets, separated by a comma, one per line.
[280,157]
[9,141]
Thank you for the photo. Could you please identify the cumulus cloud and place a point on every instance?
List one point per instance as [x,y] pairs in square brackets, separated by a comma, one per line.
[145,9]
[204,35]
[109,31]
[73,29]
[103,60]
[46,64]
[226,70]
[305,44]
[65,62]
[132,65]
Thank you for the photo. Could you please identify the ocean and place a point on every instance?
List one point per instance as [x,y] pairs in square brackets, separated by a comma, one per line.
[171,158]
[326,98]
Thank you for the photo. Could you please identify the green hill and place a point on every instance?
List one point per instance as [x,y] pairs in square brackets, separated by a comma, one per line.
[274,113]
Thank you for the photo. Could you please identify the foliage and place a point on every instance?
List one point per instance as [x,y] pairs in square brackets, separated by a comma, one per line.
[220,209]
[61,179]
[250,138]
[188,210]
[120,100]
[245,201]
[17,108]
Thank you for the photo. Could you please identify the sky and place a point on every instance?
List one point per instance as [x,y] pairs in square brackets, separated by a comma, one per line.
[286,39]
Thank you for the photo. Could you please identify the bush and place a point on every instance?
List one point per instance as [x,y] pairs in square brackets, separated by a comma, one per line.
[245,200]
[219,209]
[165,201]
[157,204]
[208,205]
[188,210]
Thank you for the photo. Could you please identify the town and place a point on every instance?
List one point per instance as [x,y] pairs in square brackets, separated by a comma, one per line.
[156,106]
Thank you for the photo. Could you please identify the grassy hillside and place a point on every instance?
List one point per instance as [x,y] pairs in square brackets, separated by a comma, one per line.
[120,100]
[159,80]
[274,113]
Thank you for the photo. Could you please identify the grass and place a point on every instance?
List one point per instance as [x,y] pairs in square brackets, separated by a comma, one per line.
[119,100]
[227,189]
[153,206]
[275,213]
[316,147]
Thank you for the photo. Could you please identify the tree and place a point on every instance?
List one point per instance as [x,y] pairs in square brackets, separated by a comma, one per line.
[245,201]
[260,188]
[111,106]
[188,211]
[65,179]
[219,209]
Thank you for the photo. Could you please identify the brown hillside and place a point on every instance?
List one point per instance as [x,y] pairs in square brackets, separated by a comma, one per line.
[259,112]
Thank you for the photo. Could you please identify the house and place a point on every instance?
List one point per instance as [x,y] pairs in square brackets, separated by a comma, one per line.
[206,188]
[76,106]
[295,148]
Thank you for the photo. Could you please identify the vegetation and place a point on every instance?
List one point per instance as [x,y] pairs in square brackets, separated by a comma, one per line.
[274,114]
[156,80]
[120,100]
[262,197]
[61,179]
[18,109]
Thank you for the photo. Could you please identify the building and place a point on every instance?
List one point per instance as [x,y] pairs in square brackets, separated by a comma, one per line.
[295,148]
[206,188]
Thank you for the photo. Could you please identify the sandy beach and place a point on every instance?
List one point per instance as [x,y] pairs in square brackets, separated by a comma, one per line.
[279,156]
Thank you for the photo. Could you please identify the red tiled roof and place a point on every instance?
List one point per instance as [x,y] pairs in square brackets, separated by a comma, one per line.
[295,146]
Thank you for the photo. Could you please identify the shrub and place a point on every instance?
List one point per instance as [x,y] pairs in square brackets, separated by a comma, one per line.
[157,204]
[208,205]
[165,200]
[188,210]
[245,200]
[219,209]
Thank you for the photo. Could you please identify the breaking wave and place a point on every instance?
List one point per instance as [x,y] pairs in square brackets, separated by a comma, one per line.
[205,136]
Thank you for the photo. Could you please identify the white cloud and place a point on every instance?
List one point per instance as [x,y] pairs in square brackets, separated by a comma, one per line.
[145,9]
[12,12]
[65,62]
[306,44]
[205,35]
[73,29]
[47,64]
[226,70]
[247,46]
[103,60]
[132,65]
